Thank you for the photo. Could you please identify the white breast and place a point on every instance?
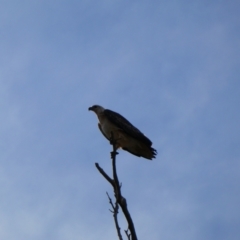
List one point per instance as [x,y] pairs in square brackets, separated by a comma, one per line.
[107,127]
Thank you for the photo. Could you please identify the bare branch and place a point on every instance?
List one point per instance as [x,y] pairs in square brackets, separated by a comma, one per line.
[115,213]
[105,175]
[128,234]
[120,200]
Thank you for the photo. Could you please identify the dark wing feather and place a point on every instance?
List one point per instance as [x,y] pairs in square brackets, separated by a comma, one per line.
[126,126]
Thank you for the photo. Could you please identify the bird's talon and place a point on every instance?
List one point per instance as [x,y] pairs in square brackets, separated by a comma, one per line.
[114,154]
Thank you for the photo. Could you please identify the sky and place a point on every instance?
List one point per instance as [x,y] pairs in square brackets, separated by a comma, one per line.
[170,67]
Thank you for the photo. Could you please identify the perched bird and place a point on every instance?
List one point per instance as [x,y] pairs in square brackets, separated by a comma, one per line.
[127,136]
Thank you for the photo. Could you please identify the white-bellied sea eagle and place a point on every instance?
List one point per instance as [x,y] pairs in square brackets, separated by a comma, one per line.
[127,136]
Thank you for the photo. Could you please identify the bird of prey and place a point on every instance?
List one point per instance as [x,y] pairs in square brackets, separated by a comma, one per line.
[127,136]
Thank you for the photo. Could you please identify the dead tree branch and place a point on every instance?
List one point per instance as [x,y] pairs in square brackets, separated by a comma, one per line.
[128,234]
[120,200]
[115,213]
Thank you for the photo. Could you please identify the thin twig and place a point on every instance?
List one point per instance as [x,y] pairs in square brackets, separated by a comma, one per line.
[128,234]
[105,175]
[115,213]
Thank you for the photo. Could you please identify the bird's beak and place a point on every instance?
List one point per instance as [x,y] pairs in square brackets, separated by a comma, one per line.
[90,109]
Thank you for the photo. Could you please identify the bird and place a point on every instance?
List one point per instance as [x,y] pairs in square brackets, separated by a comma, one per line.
[126,136]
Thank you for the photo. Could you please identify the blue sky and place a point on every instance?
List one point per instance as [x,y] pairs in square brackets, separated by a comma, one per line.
[170,67]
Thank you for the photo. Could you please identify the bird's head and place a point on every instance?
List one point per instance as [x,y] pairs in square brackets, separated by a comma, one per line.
[96,108]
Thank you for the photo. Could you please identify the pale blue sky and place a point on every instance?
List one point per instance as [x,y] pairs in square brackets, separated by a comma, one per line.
[170,67]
